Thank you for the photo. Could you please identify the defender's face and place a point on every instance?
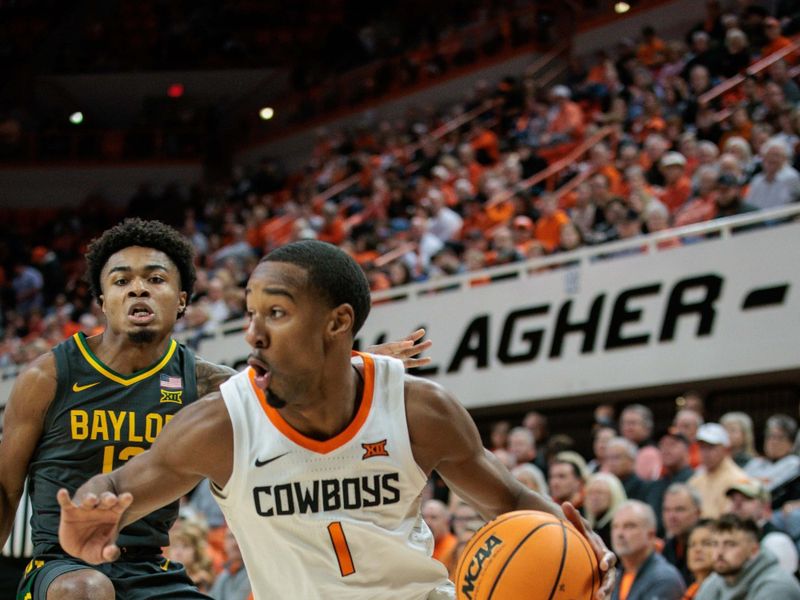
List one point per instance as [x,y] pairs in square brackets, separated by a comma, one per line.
[287,330]
[141,293]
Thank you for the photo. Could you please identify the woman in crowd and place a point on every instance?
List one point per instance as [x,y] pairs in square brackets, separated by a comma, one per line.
[699,556]
[602,496]
[739,426]
[779,468]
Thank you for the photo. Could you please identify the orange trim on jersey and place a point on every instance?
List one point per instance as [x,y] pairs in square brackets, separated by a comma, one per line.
[327,446]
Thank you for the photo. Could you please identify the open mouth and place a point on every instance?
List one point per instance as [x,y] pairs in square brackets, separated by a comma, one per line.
[140,314]
[261,370]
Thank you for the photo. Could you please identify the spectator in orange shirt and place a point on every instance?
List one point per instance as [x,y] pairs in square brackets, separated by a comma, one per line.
[651,51]
[332,230]
[485,144]
[601,160]
[566,122]
[550,221]
[677,186]
[776,40]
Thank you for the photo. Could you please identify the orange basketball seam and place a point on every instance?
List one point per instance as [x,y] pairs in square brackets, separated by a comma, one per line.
[514,551]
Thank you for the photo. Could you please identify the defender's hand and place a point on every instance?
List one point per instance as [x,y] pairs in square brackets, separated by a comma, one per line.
[88,530]
[605,557]
[406,349]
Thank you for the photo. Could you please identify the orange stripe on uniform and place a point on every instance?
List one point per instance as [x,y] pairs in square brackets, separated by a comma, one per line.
[343,555]
[339,440]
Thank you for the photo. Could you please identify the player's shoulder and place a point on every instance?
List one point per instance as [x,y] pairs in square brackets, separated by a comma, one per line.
[427,403]
[39,371]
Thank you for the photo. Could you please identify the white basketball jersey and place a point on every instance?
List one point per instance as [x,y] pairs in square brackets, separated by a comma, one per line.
[335,519]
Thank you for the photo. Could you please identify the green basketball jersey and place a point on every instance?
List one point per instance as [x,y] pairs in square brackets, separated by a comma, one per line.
[97,421]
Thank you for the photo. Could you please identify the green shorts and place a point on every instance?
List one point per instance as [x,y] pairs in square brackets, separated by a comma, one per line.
[133,579]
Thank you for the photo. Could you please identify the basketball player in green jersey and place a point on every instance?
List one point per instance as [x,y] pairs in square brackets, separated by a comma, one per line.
[91,404]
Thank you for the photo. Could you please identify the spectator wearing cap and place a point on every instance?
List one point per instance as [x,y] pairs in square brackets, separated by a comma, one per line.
[636,425]
[751,500]
[566,121]
[687,421]
[674,448]
[779,183]
[566,476]
[620,460]
[551,219]
[717,471]
[680,513]
[739,426]
[728,200]
[522,228]
[779,468]
[677,185]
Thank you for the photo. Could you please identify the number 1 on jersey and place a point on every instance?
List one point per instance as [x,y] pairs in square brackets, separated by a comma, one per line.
[346,566]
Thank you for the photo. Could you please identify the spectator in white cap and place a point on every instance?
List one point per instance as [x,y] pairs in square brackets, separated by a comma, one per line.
[677,185]
[565,121]
[717,470]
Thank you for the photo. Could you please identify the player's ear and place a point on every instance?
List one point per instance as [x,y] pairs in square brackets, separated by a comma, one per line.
[101,301]
[341,320]
[182,297]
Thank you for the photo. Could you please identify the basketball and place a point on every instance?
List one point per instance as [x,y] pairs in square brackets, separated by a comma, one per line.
[527,554]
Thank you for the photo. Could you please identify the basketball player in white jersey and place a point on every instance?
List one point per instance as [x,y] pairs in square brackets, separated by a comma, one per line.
[317,455]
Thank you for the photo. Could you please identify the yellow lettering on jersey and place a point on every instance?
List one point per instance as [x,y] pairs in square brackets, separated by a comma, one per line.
[176,397]
[79,424]
[152,427]
[132,437]
[99,425]
[167,419]
[117,420]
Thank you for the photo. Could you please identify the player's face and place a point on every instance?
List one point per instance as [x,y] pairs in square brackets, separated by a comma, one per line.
[141,294]
[287,331]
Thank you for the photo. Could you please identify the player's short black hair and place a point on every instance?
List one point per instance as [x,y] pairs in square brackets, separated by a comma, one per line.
[332,273]
[149,234]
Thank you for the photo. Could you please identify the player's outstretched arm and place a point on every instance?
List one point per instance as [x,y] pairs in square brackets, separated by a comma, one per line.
[444,438]
[406,349]
[23,422]
[197,443]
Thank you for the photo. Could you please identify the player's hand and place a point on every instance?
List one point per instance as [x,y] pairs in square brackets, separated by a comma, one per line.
[88,530]
[605,557]
[406,349]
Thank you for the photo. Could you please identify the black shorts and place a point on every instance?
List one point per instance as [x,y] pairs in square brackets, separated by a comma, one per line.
[143,579]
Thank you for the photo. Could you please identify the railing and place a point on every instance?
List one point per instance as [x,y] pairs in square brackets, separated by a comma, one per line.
[584,257]
[554,169]
[754,69]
